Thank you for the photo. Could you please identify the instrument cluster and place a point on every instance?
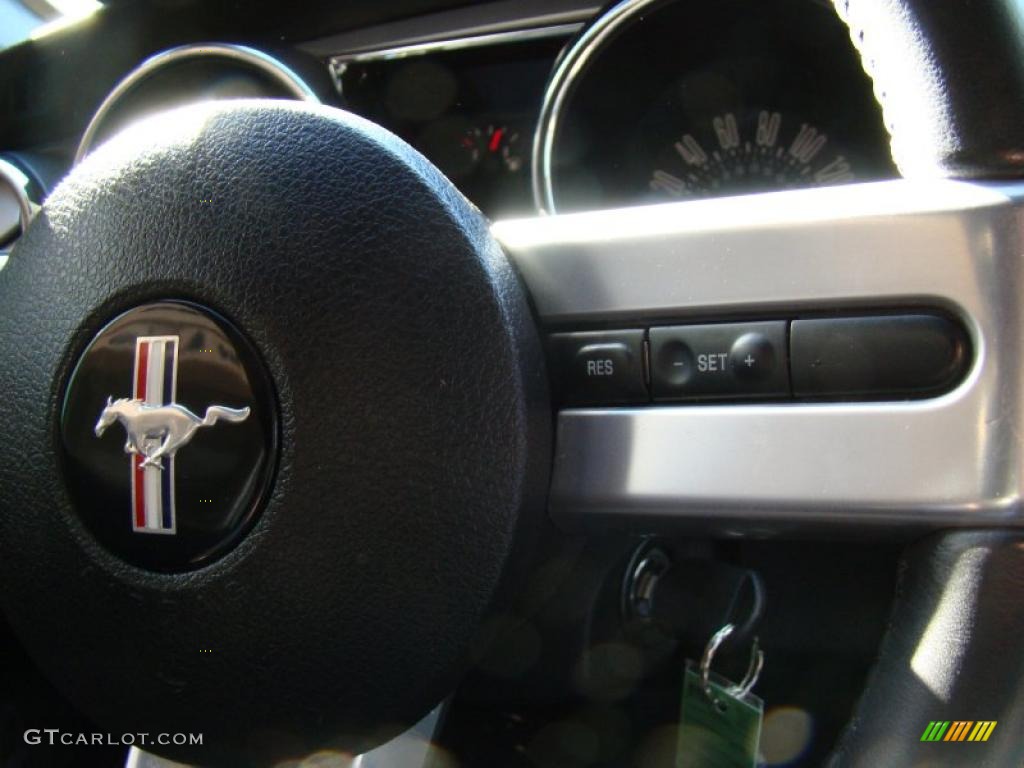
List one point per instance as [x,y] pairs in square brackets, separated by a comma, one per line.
[663,100]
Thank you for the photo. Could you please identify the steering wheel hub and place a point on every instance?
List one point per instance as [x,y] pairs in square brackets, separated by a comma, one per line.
[380,353]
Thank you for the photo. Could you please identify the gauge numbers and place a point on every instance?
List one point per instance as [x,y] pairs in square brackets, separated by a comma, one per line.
[729,155]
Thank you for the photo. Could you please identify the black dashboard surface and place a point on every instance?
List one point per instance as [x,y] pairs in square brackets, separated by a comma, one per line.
[45,99]
[471,111]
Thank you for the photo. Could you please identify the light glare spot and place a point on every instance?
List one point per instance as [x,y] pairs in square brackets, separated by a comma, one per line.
[71,12]
[785,735]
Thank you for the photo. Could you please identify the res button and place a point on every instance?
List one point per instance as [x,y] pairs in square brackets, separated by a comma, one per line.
[599,367]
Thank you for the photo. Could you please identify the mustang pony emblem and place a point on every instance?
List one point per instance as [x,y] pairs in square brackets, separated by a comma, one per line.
[157,427]
[155,431]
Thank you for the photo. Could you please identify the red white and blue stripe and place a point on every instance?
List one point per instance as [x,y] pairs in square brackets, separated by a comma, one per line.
[154,382]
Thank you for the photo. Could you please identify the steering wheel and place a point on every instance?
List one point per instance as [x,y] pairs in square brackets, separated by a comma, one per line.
[356,358]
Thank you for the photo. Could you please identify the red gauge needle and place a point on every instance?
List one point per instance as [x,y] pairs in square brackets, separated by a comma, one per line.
[496,139]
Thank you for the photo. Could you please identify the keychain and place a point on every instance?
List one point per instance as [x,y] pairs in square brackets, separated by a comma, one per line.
[720,725]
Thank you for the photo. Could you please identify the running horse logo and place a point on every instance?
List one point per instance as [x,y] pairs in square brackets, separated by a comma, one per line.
[156,427]
[155,431]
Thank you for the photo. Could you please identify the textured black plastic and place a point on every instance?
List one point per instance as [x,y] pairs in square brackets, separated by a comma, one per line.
[415,430]
[951,652]
[949,75]
[884,355]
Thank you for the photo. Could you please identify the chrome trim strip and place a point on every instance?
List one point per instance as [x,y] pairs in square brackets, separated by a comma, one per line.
[443,28]
[138,758]
[952,460]
[568,69]
[21,185]
[459,43]
[409,749]
[19,182]
[337,65]
[267,64]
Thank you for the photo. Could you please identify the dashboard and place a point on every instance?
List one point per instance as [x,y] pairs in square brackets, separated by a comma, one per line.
[532,107]
[546,108]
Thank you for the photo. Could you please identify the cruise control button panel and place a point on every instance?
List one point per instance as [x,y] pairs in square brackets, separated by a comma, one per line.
[724,361]
[599,367]
[868,357]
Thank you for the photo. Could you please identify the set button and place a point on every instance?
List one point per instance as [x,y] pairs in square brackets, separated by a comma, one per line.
[728,361]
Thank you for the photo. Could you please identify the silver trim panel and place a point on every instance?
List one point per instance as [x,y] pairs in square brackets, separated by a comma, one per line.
[267,64]
[953,460]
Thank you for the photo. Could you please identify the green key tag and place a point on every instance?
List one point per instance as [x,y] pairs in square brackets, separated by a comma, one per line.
[720,730]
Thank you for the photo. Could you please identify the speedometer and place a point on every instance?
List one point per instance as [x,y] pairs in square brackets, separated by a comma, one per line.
[752,152]
[669,99]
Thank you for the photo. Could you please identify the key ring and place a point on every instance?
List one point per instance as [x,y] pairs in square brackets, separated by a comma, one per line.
[753,669]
